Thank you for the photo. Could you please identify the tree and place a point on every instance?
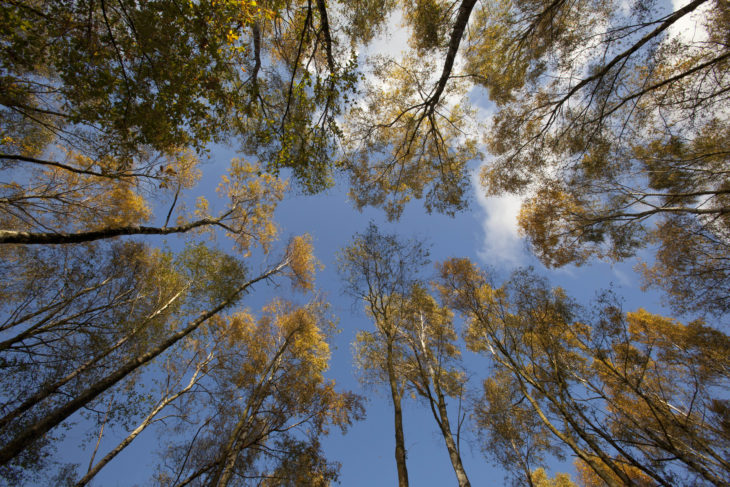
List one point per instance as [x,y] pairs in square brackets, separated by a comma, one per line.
[414,342]
[608,122]
[103,80]
[103,110]
[208,298]
[378,269]
[171,393]
[510,431]
[410,137]
[263,414]
[632,395]
[431,365]
[66,325]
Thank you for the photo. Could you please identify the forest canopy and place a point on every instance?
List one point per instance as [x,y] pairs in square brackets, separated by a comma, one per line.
[610,120]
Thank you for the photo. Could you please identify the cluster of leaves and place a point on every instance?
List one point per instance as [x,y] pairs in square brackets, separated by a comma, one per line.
[612,122]
[636,397]
[411,136]
[103,80]
[267,392]
[107,70]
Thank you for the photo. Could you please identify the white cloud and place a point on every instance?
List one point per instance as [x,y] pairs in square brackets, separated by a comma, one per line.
[690,28]
[392,41]
[502,245]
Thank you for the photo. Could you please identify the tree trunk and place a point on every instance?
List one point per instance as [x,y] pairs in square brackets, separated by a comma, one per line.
[439,412]
[142,426]
[227,460]
[451,445]
[400,447]
[53,388]
[64,238]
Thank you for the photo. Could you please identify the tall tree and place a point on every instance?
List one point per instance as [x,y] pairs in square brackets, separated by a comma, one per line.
[102,110]
[431,365]
[509,430]
[619,390]
[102,79]
[208,298]
[71,314]
[172,391]
[611,123]
[411,137]
[378,269]
[267,405]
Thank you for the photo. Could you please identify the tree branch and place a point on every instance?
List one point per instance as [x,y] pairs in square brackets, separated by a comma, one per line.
[62,238]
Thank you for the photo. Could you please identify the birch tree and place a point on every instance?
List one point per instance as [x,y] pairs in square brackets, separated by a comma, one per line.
[632,395]
[378,269]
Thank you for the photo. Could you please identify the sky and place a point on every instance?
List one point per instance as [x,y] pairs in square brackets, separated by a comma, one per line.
[486,233]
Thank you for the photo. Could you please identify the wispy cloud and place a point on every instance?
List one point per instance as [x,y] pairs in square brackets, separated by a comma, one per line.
[501,245]
[690,28]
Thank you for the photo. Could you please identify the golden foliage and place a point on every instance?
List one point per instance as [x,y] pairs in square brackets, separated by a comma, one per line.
[302,263]
[398,149]
[253,198]
[587,477]
[540,479]
[612,167]
[67,200]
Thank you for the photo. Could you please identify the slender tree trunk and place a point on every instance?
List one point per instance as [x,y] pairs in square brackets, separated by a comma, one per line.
[60,414]
[451,445]
[197,474]
[65,238]
[568,440]
[230,453]
[52,388]
[440,413]
[101,433]
[400,447]
[58,304]
[223,477]
[227,459]
[142,426]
